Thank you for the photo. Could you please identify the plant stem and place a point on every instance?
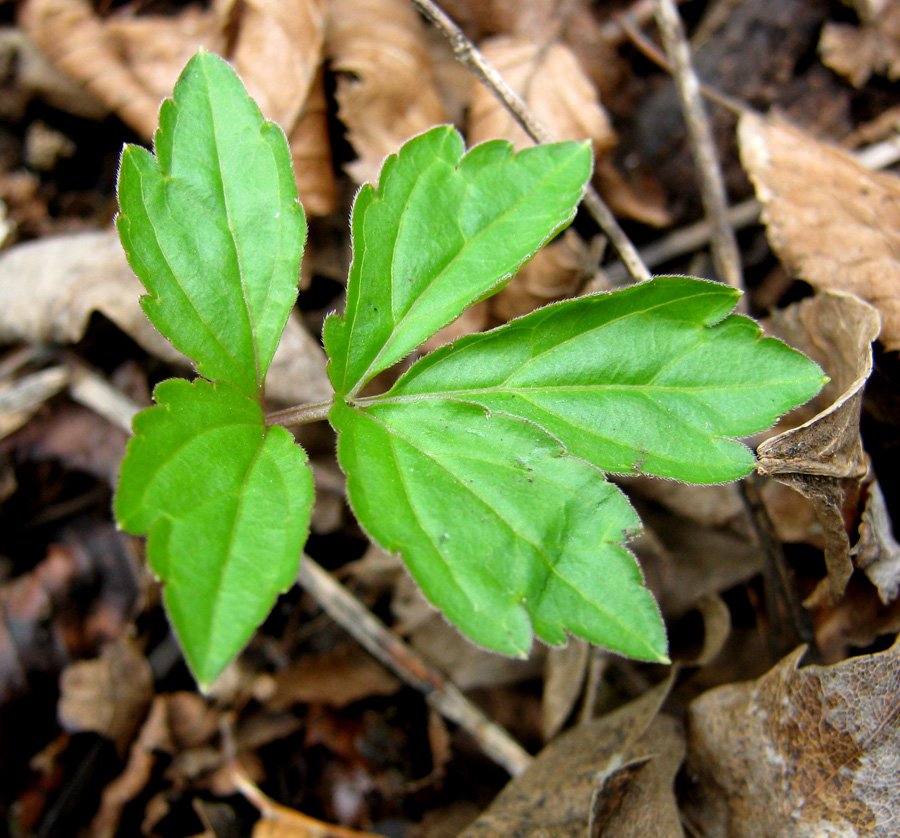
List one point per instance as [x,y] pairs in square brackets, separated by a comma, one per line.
[303,414]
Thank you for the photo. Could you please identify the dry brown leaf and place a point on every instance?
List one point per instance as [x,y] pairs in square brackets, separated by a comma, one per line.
[877,552]
[556,796]
[107,695]
[336,678]
[278,54]
[857,52]
[385,91]
[50,288]
[564,674]
[831,221]
[550,80]
[637,799]
[554,273]
[128,63]
[799,753]
[823,458]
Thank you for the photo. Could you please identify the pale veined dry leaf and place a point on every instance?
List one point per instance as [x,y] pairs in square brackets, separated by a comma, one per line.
[387,91]
[550,79]
[799,753]
[831,221]
[278,54]
[128,64]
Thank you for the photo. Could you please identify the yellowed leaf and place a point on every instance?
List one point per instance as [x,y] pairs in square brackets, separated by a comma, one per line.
[550,80]
[385,89]
[799,753]
[831,221]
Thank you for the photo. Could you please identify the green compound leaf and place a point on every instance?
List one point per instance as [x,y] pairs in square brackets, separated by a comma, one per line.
[651,379]
[504,533]
[482,465]
[441,232]
[212,225]
[226,503]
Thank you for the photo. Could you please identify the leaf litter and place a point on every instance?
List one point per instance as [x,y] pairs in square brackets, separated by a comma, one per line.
[801,750]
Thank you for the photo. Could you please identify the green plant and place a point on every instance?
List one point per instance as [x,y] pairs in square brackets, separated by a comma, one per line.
[484,464]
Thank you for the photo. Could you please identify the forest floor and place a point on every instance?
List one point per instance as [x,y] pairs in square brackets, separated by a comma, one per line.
[781,712]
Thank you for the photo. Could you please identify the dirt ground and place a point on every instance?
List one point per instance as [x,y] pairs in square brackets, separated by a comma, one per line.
[780,715]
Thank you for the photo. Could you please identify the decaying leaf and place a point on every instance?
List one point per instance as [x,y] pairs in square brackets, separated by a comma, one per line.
[799,753]
[108,695]
[564,674]
[636,800]
[50,288]
[856,52]
[385,96]
[130,64]
[336,678]
[278,53]
[550,79]
[563,790]
[823,458]
[554,273]
[831,221]
[877,552]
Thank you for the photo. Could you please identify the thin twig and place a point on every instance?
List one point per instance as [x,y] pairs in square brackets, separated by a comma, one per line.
[470,56]
[726,255]
[385,645]
[632,28]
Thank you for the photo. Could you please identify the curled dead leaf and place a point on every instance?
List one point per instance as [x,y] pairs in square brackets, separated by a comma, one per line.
[130,63]
[831,221]
[799,753]
[278,54]
[823,458]
[877,552]
[385,89]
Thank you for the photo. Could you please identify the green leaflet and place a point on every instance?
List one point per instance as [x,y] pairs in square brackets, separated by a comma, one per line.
[226,504]
[503,532]
[442,231]
[654,378]
[212,225]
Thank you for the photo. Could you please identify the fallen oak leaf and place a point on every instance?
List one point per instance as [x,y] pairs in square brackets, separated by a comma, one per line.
[823,458]
[831,221]
[799,753]
[384,96]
